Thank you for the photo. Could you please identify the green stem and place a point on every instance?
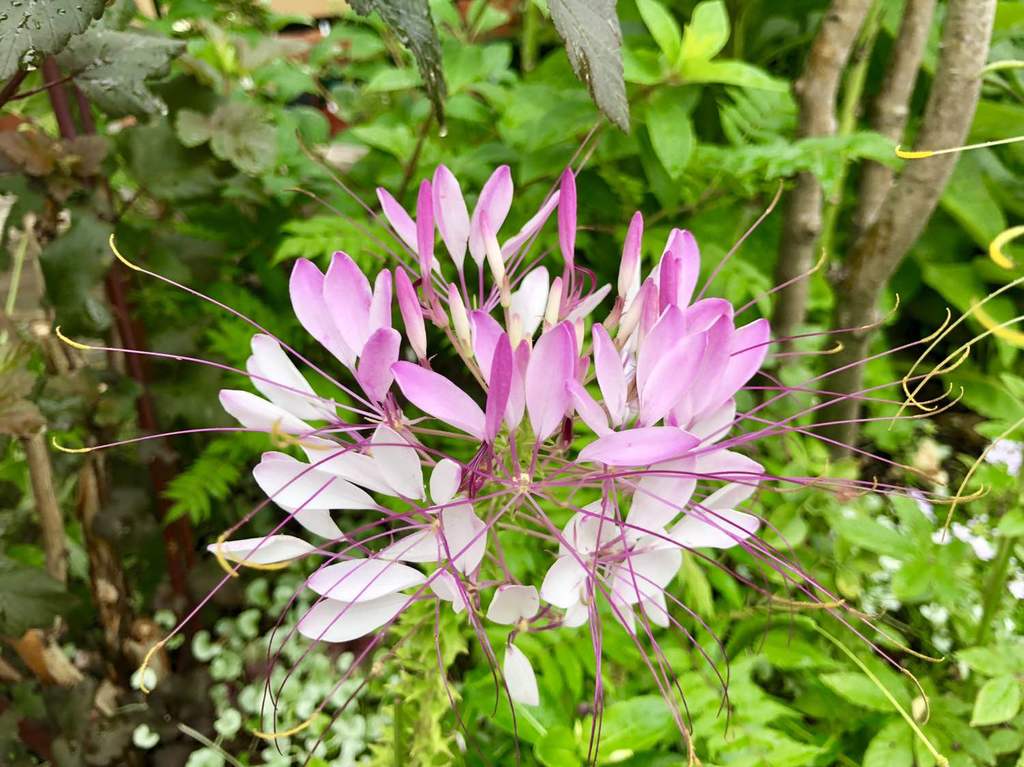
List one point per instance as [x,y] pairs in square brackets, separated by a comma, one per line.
[19,262]
[848,108]
[399,724]
[995,586]
[528,51]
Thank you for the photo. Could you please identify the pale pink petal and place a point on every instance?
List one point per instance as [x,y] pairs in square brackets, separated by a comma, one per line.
[748,348]
[714,425]
[517,394]
[530,228]
[714,529]
[444,481]
[331,621]
[588,409]
[672,377]
[730,496]
[437,396]
[380,304]
[658,343]
[269,365]
[639,447]
[256,413]
[498,388]
[375,361]
[529,300]
[629,267]
[583,309]
[345,462]
[729,466]
[567,217]
[611,376]
[485,331]
[347,297]
[552,367]
[425,229]
[398,462]
[683,247]
[713,370]
[268,550]
[658,499]
[512,604]
[400,221]
[576,615]
[519,677]
[451,214]
[494,202]
[646,574]
[307,287]
[563,581]
[361,580]
[704,313]
[292,484]
[412,313]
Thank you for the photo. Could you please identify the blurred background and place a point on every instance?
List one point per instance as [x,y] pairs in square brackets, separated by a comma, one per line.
[219,140]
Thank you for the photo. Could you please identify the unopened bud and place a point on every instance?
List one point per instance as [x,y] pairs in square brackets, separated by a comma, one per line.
[460,320]
[554,304]
[629,268]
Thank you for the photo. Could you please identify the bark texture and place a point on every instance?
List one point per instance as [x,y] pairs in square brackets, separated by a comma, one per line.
[51,522]
[909,203]
[816,92]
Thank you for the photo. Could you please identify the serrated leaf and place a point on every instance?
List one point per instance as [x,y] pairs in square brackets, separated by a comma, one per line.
[37,28]
[998,701]
[412,23]
[238,132]
[193,128]
[29,598]
[593,40]
[74,265]
[662,26]
[670,130]
[707,33]
[112,68]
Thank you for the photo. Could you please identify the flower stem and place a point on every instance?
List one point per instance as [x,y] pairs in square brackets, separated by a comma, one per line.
[994,587]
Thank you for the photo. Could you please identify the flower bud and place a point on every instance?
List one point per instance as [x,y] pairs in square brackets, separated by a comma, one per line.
[552,310]
[629,268]
[460,320]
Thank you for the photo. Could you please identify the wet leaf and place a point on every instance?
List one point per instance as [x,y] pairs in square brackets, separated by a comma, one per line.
[35,28]
[238,132]
[412,23]
[29,598]
[74,265]
[593,40]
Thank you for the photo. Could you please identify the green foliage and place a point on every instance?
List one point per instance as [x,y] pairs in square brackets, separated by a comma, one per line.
[32,29]
[29,598]
[213,477]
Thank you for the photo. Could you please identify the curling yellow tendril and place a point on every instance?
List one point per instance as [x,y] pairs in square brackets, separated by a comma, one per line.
[1000,330]
[122,259]
[72,344]
[145,665]
[285,733]
[921,154]
[995,248]
[905,154]
[61,448]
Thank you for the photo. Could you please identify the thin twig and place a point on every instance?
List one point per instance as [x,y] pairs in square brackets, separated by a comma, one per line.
[11,88]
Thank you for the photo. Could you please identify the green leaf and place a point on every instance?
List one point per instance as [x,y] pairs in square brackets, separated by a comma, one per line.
[29,598]
[557,748]
[593,40]
[412,23]
[634,725]
[74,265]
[670,130]
[969,201]
[36,28]
[731,72]
[1012,523]
[113,68]
[392,79]
[874,536]
[662,26]
[707,33]
[893,746]
[238,132]
[857,689]
[168,170]
[998,701]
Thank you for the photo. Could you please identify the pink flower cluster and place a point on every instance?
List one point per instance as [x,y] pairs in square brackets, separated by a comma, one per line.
[597,425]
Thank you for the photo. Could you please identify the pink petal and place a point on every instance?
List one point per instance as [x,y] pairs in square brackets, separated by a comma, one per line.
[629,268]
[530,299]
[444,481]
[729,466]
[398,461]
[380,305]
[519,677]
[437,396]
[683,247]
[269,365]
[360,580]
[639,447]
[268,550]
[375,361]
[552,367]
[292,484]
[347,297]
[498,388]
[583,309]
[451,214]
[530,228]
[425,229]
[259,415]
[611,376]
[331,621]
[517,394]
[400,221]
[672,377]
[567,217]
[512,604]
[485,331]
[705,313]
[666,333]
[713,425]
[412,313]
[306,287]
[494,202]
[588,409]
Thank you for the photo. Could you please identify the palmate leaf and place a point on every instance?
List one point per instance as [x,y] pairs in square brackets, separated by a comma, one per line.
[412,23]
[593,40]
[112,68]
[32,29]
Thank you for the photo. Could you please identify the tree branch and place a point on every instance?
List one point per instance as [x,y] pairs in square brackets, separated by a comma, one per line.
[891,107]
[11,86]
[907,207]
[51,523]
[816,92]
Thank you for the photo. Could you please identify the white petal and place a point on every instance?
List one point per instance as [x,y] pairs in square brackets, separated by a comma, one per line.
[273,366]
[319,522]
[292,484]
[519,676]
[658,499]
[267,550]
[729,466]
[588,304]
[398,462]
[259,415]
[343,461]
[712,426]
[562,582]
[655,609]
[646,574]
[730,496]
[444,481]
[465,535]
[447,590]
[529,300]
[360,580]
[719,529]
[576,615]
[420,546]
[512,604]
[331,621]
